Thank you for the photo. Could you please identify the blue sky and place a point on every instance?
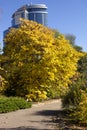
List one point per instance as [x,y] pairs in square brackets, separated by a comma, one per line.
[67,16]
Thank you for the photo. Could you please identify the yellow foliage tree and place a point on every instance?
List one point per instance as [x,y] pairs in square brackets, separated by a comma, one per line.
[40,60]
[2,82]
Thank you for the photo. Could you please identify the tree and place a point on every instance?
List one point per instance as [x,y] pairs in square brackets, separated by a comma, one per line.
[72,39]
[3,82]
[39,63]
[82,66]
[0,49]
[56,33]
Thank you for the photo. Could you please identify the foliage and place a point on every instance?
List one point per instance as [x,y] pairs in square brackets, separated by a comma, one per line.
[56,33]
[78,48]
[38,61]
[73,96]
[79,113]
[72,39]
[12,104]
[36,95]
[82,66]
[3,82]
[75,100]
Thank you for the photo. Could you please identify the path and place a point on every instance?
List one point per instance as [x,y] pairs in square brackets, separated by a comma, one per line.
[39,117]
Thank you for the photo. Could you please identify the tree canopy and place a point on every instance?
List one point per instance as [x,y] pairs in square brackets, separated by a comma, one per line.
[38,62]
[72,41]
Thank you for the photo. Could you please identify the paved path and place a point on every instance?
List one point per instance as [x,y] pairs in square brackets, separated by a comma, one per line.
[39,117]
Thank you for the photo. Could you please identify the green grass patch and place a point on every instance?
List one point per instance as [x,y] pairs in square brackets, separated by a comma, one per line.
[8,104]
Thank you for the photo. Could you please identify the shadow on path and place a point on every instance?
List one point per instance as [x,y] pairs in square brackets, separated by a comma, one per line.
[48,112]
[21,128]
[51,113]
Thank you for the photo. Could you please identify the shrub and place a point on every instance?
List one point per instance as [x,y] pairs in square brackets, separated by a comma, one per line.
[79,113]
[12,104]
[36,95]
[72,96]
[75,101]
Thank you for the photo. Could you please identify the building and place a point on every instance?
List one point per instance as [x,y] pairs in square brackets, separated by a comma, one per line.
[36,12]
[20,13]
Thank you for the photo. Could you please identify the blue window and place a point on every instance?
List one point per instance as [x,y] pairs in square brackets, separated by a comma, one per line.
[31,16]
[22,15]
[39,18]
[13,22]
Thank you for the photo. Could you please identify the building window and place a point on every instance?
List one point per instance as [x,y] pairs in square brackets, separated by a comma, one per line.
[22,15]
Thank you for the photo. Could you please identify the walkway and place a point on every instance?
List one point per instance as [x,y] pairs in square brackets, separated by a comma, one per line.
[39,117]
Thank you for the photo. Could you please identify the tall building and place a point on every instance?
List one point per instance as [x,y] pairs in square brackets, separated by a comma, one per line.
[36,12]
[20,13]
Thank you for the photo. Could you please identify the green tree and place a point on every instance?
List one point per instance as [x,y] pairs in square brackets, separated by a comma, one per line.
[82,66]
[72,39]
[56,33]
[39,63]
[0,49]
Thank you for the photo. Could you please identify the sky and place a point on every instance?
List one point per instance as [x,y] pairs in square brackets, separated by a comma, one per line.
[67,16]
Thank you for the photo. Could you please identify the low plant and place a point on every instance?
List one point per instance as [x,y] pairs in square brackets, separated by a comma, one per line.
[8,104]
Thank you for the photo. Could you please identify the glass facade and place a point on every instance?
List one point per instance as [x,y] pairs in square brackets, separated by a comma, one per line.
[17,15]
[37,12]
[39,17]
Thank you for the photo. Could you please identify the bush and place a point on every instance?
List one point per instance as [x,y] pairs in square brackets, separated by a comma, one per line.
[36,95]
[75,101]
[12,104]
[72,96]
[79,113]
